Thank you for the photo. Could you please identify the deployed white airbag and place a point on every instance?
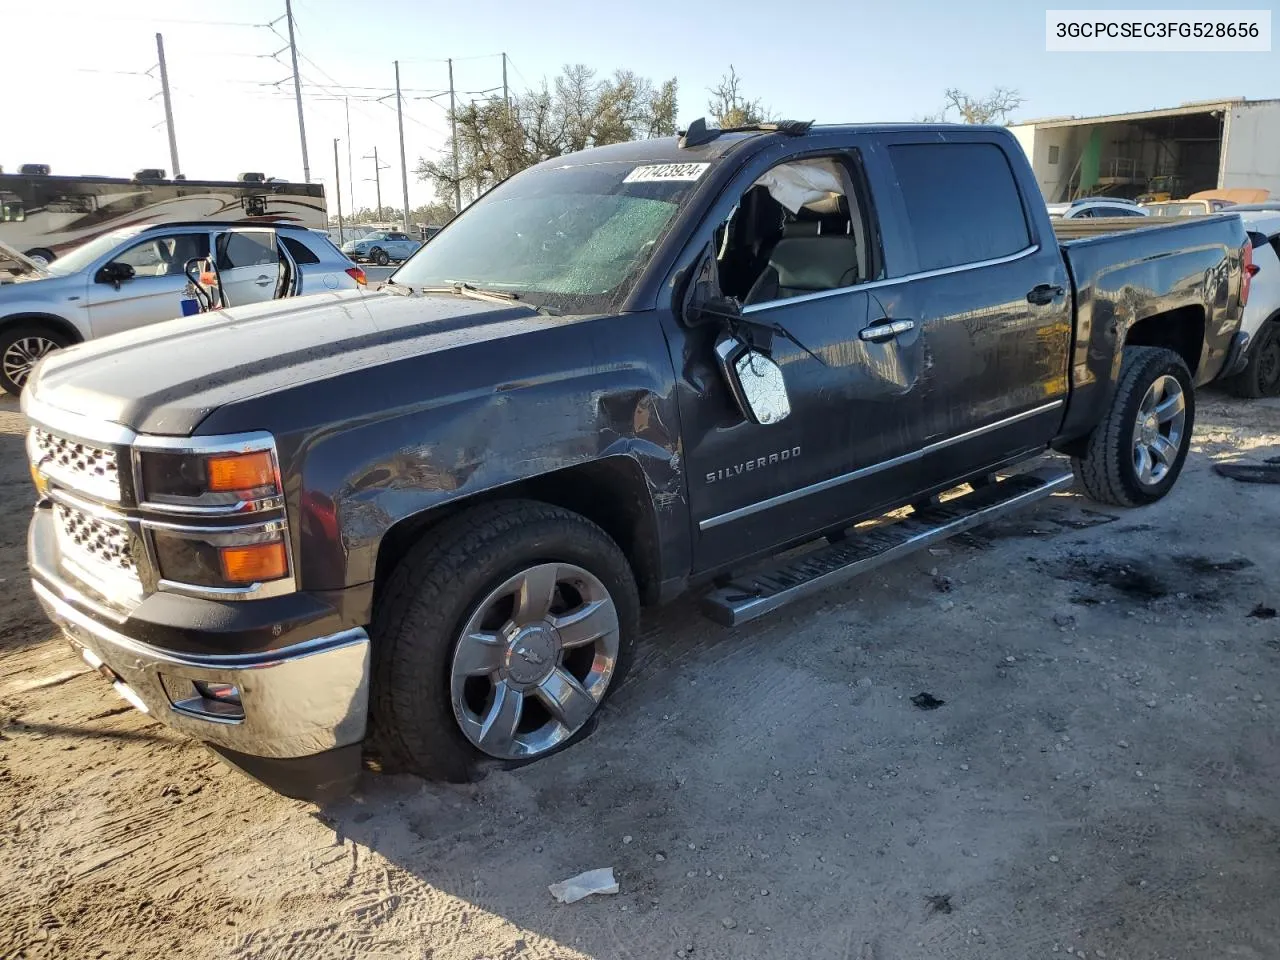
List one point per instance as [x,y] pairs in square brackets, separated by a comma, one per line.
[815,184]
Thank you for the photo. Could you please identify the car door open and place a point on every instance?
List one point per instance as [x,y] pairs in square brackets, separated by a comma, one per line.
[251,266]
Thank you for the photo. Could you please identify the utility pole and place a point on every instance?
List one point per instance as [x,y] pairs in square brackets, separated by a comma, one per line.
[404,163]
[351,169]
[297,91]
[506,97]
[453,122]
[168,108]
[377,178]
[337,188]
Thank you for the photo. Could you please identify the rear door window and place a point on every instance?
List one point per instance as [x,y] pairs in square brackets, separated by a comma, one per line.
[962,203]
[247,249]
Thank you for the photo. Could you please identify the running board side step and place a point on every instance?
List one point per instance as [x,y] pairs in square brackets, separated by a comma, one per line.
[768,588]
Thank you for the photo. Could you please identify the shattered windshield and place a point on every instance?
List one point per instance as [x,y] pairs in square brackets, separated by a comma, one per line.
[574,238]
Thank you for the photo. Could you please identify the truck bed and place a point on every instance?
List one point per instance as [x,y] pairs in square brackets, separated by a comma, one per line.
[1092,227]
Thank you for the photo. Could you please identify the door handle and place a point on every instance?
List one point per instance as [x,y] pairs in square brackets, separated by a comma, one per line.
[879,332]
[263,280]
[1043,293]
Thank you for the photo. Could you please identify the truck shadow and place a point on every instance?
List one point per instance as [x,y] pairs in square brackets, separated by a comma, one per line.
[743,781]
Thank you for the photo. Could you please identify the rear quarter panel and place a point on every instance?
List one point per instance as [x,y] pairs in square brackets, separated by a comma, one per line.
[1123,278]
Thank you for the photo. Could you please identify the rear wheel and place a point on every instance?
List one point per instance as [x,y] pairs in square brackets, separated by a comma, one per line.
[1135,454]
[379,256]
[1261,376]
[21,346]
[41,256]
[499,636]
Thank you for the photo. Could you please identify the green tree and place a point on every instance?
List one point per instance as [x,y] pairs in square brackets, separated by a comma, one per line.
[577,110]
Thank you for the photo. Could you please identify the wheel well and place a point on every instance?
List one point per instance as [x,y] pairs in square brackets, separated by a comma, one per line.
[57,323]
[1180,330]
[611,493]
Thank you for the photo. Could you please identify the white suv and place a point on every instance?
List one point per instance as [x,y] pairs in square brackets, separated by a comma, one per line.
[136,275]
[1257,370]
[1096,207]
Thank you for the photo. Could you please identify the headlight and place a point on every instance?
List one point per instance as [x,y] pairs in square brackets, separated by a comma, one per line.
[207,481]
[243,479]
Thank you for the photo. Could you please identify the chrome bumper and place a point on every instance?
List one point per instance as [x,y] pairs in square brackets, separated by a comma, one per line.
[298,701]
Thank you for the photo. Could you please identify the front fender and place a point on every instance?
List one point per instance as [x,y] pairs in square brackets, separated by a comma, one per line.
[564,403]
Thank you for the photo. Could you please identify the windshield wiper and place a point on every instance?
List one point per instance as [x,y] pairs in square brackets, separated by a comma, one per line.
[463,289]
[398,288]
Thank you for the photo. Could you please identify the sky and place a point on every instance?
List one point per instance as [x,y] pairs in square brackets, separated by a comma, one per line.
[95,109]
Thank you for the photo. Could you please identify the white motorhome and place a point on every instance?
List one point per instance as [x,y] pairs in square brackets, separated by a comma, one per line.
[44,216]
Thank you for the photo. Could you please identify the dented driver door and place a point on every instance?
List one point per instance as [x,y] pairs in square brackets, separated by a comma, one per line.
[852,398]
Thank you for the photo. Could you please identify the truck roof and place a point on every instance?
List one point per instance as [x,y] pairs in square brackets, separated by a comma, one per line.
[669,150]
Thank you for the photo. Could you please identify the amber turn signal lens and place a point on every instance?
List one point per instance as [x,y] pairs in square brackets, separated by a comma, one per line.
[245,471]
[254,563]
[38,478]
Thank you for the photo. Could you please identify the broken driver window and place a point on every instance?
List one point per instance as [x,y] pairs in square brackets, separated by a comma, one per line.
[801,228]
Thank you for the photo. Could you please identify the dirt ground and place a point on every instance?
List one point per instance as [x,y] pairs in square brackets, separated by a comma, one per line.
[1101,780]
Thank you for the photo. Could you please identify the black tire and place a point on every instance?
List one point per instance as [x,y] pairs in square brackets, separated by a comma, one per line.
[379,256]
[12,339]
[1261,376]
[1107,470]
[428,600]
[40,253]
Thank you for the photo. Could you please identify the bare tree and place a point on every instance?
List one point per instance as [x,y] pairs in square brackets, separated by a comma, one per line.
[574,112]
[729,108]
[995,107]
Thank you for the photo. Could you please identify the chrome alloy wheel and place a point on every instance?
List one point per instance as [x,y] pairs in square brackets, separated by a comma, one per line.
[22,355]
[534,661]
[1158,432]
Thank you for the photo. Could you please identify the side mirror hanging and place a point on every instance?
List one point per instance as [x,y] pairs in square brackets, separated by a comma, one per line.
[755,381]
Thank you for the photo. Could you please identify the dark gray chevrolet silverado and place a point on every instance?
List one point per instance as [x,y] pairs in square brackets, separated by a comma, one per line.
[423,521]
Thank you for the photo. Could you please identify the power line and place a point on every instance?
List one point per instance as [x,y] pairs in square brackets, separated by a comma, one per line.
[118,73]
[527,84]
[478,56]
[194,23]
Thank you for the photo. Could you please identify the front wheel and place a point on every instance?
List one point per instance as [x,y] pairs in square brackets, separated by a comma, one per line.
[499,636]
[1135,454]
[380,256]
[21,347]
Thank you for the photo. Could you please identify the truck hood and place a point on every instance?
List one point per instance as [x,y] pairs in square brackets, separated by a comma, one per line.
[166,378]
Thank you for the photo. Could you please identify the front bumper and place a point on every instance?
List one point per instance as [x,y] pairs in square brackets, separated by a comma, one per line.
[303,708]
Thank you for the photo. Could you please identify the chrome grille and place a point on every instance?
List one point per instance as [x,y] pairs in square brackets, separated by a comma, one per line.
[80,466]
[99,546]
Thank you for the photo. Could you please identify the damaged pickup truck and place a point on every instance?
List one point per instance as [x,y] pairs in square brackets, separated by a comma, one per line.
[425,520]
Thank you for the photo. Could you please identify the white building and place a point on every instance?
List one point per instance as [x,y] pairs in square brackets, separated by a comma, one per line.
[1197,146]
